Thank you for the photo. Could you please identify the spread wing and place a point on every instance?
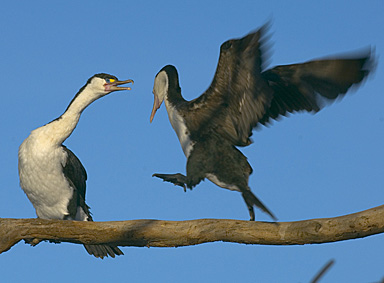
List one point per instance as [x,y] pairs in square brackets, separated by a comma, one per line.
[242,97]
[309,86]
[238,96]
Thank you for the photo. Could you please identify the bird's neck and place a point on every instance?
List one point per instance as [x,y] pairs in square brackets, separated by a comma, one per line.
[57,131]
[173,97]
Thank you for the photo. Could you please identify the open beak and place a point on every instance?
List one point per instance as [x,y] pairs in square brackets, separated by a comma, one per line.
[156,105]
[114,86]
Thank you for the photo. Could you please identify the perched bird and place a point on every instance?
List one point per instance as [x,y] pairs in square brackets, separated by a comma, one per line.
[52,177]
[242,96]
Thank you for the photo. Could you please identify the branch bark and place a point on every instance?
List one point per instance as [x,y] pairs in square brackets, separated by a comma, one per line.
[160,233]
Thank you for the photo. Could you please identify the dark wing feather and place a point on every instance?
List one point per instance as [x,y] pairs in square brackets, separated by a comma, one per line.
[308,86]
[242,97]
[237,97]
[76,175]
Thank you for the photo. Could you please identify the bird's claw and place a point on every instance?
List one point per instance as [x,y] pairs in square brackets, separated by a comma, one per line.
[176,179]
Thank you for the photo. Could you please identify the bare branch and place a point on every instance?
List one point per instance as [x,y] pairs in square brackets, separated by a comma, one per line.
[160,233]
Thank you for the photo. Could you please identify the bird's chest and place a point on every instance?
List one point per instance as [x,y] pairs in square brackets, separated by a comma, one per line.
[42,178]
[179,125]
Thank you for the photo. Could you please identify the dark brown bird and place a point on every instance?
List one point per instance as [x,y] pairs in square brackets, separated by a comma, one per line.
[241,97]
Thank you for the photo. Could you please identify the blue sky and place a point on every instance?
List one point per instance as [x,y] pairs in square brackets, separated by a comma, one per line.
[305,166]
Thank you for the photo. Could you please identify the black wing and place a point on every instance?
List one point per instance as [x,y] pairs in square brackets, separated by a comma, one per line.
[241,96]
[76,176]
[238,96]
[308,86]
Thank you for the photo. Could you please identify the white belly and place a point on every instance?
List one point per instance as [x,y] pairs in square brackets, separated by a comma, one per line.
[42,179]
[181,130]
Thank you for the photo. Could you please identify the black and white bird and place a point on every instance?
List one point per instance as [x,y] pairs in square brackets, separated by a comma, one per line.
[52,177]
[242,96]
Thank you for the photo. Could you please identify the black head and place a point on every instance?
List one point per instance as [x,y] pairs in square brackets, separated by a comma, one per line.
[104,76]
[100,85]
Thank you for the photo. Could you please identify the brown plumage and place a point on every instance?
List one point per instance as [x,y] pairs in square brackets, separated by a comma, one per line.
[241,97]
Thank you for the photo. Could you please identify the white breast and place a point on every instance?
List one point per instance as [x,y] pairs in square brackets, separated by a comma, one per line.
[180,128]
[42,178]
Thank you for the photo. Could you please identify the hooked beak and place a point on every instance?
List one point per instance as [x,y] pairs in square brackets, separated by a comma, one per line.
[156,105]
[114,86]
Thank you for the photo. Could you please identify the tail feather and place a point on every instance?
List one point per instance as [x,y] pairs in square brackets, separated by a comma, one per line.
[101,251]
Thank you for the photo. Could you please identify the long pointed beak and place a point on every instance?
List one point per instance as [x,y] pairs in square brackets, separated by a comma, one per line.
[156,105]
[114,86]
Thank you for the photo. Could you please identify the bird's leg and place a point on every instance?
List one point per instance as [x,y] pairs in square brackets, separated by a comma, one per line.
[249,204]
[251,200]
[176,179]
[251,211]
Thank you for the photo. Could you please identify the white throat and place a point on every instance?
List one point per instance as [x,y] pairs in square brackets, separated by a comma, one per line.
[42,158]
[161,87]
[57,131]
[178,124]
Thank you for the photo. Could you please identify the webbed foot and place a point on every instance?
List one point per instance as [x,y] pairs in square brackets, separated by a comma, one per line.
[176,179]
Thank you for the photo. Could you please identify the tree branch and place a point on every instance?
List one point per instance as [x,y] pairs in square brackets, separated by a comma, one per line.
[160,233]
[322,271]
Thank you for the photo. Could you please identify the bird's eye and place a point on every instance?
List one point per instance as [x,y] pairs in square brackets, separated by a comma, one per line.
[109,80]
